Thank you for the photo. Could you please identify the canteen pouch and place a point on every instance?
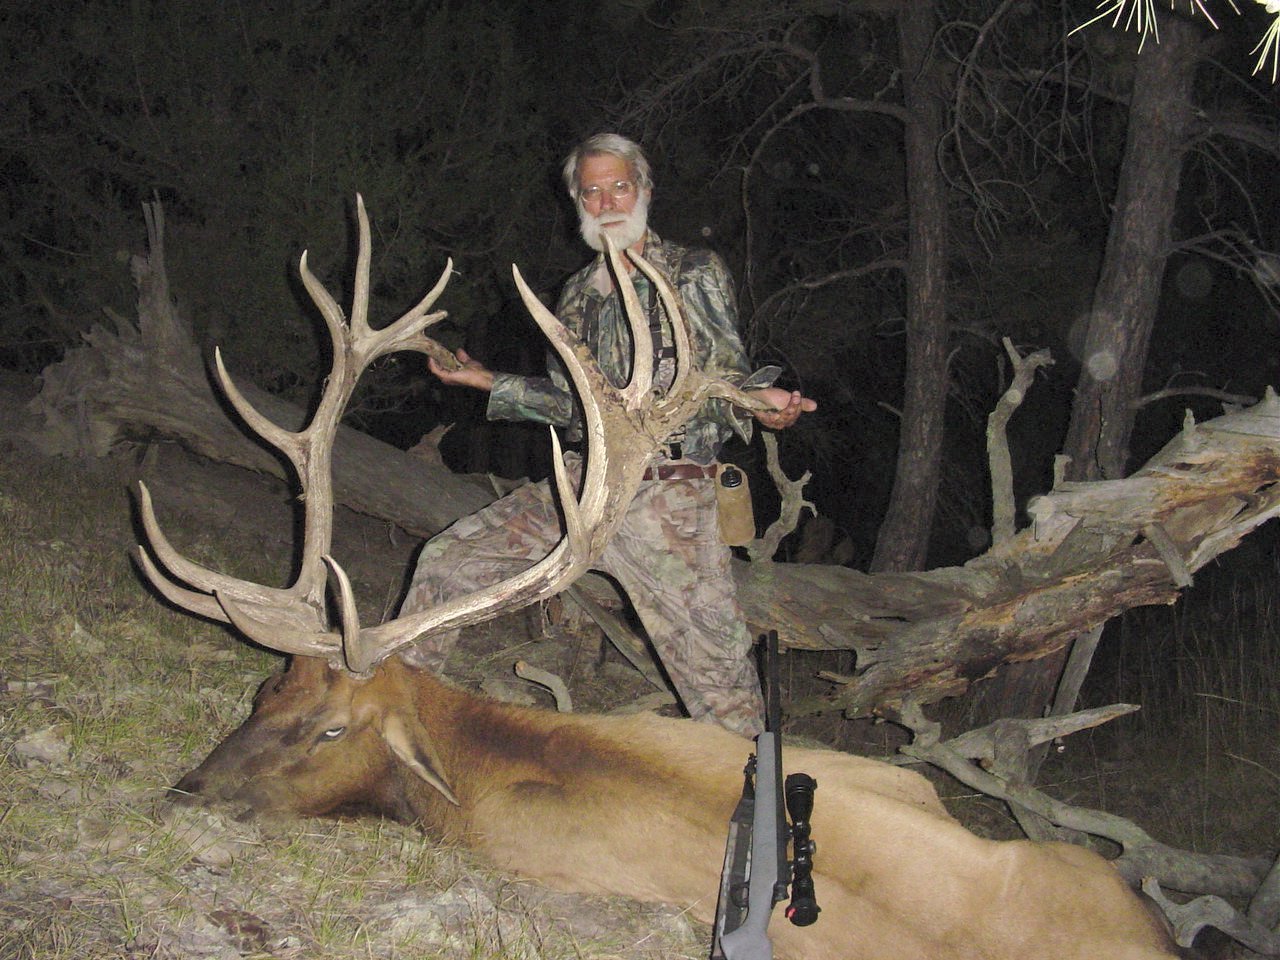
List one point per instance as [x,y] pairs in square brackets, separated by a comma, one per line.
[733,506]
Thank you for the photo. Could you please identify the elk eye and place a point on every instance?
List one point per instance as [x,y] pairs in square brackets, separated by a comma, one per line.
[333,733]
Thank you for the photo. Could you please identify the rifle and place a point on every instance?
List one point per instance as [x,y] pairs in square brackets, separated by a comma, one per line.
[756,871]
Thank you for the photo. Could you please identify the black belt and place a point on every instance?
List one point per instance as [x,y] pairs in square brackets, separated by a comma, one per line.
[680,471]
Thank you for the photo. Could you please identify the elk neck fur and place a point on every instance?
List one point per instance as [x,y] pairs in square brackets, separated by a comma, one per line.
[639,806]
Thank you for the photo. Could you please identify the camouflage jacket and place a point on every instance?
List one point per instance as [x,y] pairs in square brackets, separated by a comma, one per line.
[590,308]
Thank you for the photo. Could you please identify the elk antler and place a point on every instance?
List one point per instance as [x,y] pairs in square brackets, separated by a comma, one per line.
[623,428]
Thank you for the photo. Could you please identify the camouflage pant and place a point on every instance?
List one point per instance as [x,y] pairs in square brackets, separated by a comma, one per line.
[668,557]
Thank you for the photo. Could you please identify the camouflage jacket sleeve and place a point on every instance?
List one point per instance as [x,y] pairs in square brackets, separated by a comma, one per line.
[540,399]
[712,311]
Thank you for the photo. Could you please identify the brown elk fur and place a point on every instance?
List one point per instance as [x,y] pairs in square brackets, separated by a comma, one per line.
[639,806]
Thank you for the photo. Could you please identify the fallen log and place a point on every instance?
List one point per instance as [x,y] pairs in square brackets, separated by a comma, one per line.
[1092,551]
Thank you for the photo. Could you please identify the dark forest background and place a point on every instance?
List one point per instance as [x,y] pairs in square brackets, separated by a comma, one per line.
[786,136]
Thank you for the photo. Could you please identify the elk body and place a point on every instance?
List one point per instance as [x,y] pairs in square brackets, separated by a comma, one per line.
[637,805]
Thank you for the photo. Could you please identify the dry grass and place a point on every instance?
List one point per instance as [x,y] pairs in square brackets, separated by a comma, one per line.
[108,695]
[1200,764]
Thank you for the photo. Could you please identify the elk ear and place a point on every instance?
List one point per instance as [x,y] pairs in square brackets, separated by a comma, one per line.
[414,750]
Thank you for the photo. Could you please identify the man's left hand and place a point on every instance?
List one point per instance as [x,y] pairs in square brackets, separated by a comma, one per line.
[787,407]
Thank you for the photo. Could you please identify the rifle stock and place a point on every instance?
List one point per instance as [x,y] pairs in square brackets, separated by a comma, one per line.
[750,940]
[757,845]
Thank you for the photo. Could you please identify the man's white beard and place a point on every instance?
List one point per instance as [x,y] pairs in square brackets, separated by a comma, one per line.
[625,229]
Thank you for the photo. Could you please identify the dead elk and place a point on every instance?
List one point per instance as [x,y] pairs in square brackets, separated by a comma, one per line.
[595,803]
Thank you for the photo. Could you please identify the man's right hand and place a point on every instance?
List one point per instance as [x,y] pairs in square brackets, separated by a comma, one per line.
[787,406]
[470,373]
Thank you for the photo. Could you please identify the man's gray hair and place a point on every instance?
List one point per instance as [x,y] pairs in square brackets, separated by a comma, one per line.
[611,143]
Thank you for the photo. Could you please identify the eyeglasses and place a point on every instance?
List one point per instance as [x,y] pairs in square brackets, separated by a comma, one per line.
[618,190]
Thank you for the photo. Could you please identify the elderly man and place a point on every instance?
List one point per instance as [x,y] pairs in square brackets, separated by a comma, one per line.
[667,555]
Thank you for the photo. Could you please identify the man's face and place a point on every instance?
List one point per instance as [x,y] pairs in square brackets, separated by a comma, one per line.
[610,200]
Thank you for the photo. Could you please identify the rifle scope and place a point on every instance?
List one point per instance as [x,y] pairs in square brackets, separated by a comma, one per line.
[803,908]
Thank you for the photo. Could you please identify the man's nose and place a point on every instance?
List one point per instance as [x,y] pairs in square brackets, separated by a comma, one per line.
[607,200]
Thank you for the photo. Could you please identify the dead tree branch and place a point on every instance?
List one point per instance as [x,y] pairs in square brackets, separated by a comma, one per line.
[1002,506]
[1189,919]
[793,504]
[1000,748]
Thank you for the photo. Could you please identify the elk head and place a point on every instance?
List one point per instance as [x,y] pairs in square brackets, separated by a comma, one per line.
[324,742]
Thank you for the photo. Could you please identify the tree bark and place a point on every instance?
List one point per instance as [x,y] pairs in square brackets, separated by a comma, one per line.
[1127,295]
[903,539]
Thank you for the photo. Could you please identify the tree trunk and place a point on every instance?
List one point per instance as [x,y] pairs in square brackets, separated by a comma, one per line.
[1124,310]
[1127,296]
[903,540]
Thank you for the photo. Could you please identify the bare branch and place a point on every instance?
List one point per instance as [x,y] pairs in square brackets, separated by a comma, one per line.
[548,681]
[1235,399]
[1190,918]
[1002,505]
[1264,908]
[999,744]
[793,503]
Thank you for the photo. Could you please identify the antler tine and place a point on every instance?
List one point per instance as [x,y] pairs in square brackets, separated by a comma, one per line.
[637,391]
[286,441]
[330,312]
[360,295]
[206,581]
[597,395]
[691,387]
[201,604]
[359,656]
[679,327]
